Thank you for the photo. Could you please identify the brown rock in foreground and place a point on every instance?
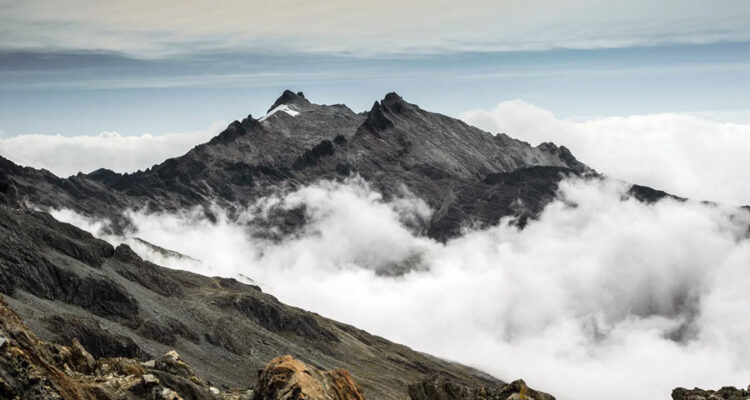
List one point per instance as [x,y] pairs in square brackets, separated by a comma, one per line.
[286,378]
[31,368]
[725,393]
[442,389]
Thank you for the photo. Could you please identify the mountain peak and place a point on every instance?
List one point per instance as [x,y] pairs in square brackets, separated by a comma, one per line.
[394,144]
[377,117]
[289,98]
[392,98]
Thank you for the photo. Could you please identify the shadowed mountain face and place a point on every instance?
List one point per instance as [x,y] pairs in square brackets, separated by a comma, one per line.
[396,146]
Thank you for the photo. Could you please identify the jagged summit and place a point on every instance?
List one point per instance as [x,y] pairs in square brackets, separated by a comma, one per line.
[377,117]
[289,98]
[394,101]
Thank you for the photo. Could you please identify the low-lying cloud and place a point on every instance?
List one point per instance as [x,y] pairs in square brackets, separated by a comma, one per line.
[602,297]
[683,154]
[68,155]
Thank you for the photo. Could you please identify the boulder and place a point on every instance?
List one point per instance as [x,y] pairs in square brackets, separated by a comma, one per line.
[81,359]
[443,389]
[725,393]
[286,378]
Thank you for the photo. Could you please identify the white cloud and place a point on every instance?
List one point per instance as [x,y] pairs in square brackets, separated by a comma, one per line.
[68,155]
[581,303]
[367,27]
[688,155]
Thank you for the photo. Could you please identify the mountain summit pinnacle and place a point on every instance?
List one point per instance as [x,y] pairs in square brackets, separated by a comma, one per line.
[392,99]
[289,98]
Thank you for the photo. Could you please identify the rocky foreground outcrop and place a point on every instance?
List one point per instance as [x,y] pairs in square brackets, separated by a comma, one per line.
[442,389]
[286,378]
[31,368]
[725,393]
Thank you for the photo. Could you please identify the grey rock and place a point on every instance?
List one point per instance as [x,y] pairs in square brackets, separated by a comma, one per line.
[725,393]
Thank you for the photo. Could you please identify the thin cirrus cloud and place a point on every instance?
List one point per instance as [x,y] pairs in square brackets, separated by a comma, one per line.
[366,27]
[600,290]
[688,155]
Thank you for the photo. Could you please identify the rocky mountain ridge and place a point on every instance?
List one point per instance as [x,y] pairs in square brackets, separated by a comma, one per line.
[456,168]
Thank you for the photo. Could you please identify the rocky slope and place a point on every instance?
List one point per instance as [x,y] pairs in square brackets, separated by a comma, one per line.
[31,368]
[68,285]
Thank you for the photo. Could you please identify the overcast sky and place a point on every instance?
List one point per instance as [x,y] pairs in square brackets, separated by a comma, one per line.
[135,67]
[167,27]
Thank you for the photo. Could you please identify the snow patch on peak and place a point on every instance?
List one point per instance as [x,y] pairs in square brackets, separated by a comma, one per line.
[284,108]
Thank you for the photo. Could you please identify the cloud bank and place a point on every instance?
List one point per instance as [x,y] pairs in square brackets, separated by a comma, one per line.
[686,155]
[602,297]
[68,155]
